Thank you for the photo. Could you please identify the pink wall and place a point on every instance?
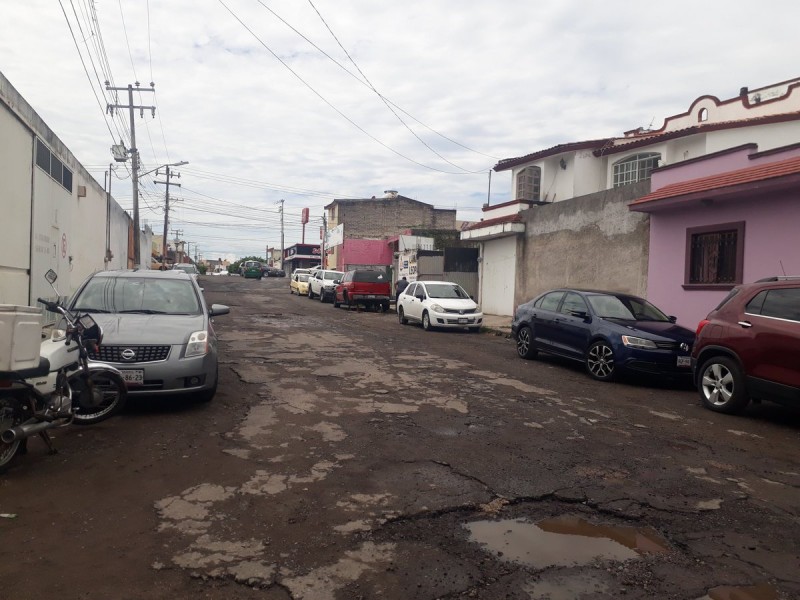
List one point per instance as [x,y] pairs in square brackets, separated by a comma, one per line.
[771,235]
[364,252]
[731,161]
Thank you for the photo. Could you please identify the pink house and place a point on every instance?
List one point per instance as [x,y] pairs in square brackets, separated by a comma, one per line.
[720,220]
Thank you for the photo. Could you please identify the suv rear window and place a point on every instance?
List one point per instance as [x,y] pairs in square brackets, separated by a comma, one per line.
[727,298]
[369,276]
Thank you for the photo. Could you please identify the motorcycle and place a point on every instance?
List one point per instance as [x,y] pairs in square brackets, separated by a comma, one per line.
[66,387]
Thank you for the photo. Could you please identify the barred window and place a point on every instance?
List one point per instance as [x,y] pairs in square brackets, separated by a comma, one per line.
[529,183]
[715,255]
[635,168]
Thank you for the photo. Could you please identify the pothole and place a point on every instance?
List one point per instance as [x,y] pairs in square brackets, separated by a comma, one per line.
[564,541]
[763,591]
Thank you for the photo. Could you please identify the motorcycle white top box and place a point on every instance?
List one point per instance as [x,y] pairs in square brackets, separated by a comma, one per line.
[62,388]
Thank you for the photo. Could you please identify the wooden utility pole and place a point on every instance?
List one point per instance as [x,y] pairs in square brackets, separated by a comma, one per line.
[134,156]
[166,212]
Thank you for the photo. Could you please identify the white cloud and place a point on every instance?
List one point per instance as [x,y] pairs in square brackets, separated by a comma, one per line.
[505,78]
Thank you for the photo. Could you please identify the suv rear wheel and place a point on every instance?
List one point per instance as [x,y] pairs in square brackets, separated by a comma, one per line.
[721,385]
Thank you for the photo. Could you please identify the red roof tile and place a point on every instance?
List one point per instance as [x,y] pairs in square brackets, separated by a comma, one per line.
[507,163]
[747,175]
[515,218]
[651,137]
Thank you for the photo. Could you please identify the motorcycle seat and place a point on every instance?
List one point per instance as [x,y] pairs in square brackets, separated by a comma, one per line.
[43,368]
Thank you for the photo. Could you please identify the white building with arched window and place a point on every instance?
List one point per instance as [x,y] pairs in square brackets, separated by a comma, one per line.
[609,170]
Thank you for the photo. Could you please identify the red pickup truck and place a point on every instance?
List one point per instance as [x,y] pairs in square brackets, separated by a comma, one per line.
[371,289]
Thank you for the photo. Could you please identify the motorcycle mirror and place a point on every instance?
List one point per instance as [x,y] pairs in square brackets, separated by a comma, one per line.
[51,277]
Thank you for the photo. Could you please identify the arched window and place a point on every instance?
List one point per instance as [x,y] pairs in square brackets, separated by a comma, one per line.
[702,116]
[635,168]
[529,183]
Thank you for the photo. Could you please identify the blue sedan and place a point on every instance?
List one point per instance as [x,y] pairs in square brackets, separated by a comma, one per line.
[607,331]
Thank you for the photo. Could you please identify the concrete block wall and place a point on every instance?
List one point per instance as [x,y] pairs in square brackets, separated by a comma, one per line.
[591,241]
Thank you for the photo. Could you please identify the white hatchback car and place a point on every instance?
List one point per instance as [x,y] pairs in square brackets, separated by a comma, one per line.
[439,304]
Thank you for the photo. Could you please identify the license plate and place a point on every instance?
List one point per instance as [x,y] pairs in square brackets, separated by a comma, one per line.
[133,377]
[463,320]
[684,361]
[370,295]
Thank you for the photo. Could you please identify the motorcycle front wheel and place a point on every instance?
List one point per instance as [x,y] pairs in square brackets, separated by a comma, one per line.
[11,415]
[97,397]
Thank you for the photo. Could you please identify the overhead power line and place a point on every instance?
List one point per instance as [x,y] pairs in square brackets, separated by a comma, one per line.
[362,82]
[85,69]
[331,105]
[385,102]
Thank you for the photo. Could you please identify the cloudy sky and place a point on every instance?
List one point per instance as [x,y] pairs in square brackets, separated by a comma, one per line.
[310,100]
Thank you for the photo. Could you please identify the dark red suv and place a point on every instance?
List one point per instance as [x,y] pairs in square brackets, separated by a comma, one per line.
[749,346]
[364,287]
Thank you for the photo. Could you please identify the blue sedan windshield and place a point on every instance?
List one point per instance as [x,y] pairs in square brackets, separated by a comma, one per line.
[626,308]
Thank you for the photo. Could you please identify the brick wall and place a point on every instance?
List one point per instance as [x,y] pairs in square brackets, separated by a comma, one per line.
[384,217]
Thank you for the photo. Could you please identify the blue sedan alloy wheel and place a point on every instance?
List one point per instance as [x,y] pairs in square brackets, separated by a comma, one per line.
[600,361]
[525,347]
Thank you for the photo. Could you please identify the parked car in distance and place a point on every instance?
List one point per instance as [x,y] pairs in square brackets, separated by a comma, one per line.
[188,268]
[275,272]
[609,332]
[439,304]
[748,347]
[251,269]
[299,284]
[321,284]
[157,330]
[365,287]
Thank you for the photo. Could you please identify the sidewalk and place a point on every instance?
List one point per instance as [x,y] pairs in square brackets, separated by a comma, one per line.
[499,324]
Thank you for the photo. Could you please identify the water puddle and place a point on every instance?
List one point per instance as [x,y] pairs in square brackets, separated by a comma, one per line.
[563,541]
[762,591]
[569,586]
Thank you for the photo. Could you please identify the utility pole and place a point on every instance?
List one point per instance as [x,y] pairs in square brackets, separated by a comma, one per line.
[134,155]
[177,232]
[324,236]
[107,253]
[166,212]
[282,248]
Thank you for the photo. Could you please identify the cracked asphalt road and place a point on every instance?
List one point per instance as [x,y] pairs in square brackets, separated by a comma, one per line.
[346,456]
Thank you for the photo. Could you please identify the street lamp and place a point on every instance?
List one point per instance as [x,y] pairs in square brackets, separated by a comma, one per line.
[177,164]
[166,206]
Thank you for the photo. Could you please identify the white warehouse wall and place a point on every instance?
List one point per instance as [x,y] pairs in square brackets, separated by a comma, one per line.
[16,151]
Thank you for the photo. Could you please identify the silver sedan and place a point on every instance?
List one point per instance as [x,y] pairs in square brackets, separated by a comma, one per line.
[157,330]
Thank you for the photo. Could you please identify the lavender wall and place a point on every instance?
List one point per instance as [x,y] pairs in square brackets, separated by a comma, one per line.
[724,163]
[771,235]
